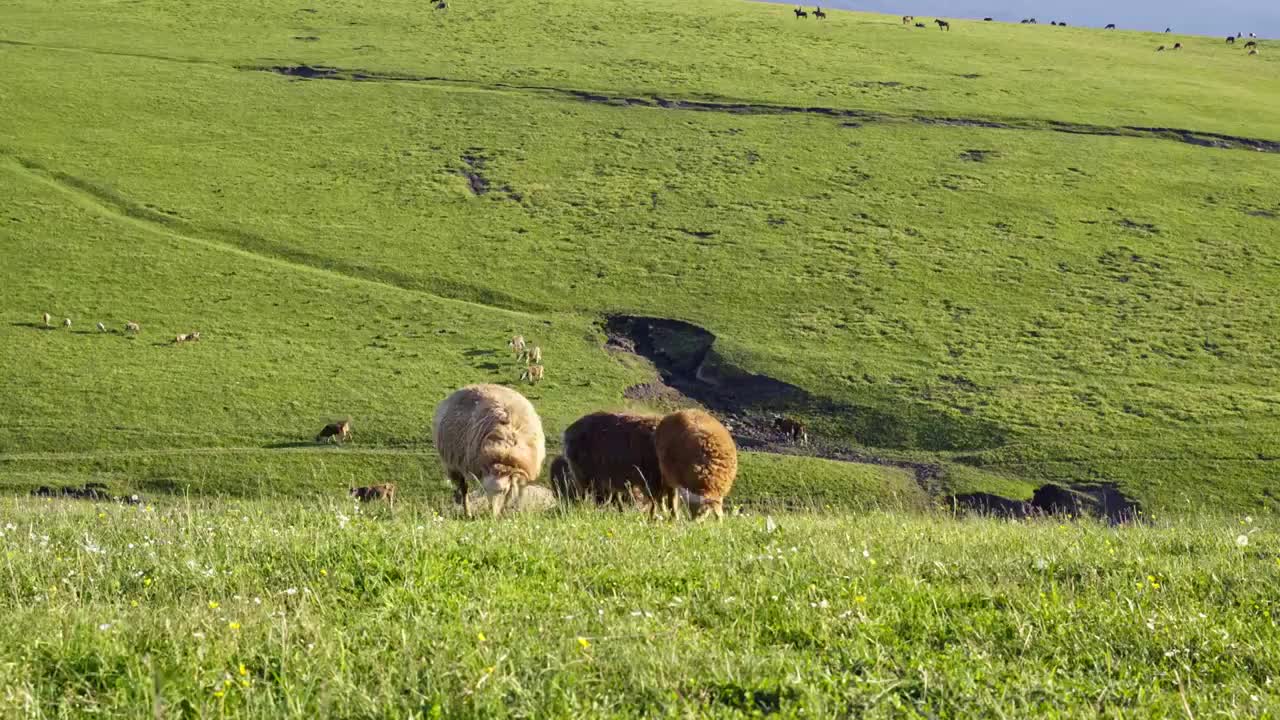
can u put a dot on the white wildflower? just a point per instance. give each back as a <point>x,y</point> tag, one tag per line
<point>769,524</point>
<point>1242,540</point>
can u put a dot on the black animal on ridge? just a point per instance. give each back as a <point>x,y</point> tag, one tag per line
<point>943,25</point>
<point>817,13</point>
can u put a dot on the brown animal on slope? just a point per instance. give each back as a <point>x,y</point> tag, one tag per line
<point>517,344</point>
<point>699,462</point>
<point>490,433</point>
<point>612,457</point>
<point>338,432</point>
<point>132,327</point>
<point>386,491</point>
<point>533,373</point>
<point>792,428</point>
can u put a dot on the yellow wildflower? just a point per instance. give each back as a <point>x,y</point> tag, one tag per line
<point>213,605</point>
<point>583,643</point>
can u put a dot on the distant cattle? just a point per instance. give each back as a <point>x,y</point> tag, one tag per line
<point>1111,26</point>
<point>943,24</point>
<point>1231,39</point>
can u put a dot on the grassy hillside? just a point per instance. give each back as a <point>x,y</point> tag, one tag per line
<point>968,248</point>
<point>306,609</point>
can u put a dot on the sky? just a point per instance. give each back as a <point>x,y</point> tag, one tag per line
<point>1192,17</point>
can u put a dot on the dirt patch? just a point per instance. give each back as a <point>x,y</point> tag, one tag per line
<point>473,169</point>
<point>700,234</point>
<point>1193,137</point>
<point>688,366</point>
<point>90,491</point>
<point>1104,501</point>
<point>977,155</point>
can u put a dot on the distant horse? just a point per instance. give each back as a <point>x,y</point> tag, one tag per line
<point>817,13</point>
<point>801,14</point>
<point>943,25</point>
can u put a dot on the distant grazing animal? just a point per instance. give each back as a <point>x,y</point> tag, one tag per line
<point>335,432</point>
<point>492,434</point>
<point>186,337</point>
<point>1032,21</point>
<point>533,373</point>
<point>1253,35</point>
<point>1111,26</point>
<point>1251,44</point>
<point>1053,23</point>
<point>132,327</point>
<point>1160,49</point>
<point>517,344</point>
<point>988,19</point>
<point>817,13</point>
<point>920,25</point>
<point>534,355</point>
<point>1177,46</point>
<point>699,462</point>
<point>1231,39</point>
<point>943,24</point>
<point>66,323</point>
<point>46,319</point>
<point>801,14</point>
<point>102,328</point>
<point>908,19</point>
<point>386,491</point>
<point>611,458</point>
<point>442,5</point>
<point>1062,24</point>
<point>1168,30</point>
<point>792,428</point>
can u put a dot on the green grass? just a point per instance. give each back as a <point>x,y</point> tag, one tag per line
<point>1072,308</point>
<point>297,608</point>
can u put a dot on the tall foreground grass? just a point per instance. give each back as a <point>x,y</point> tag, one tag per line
<point>296,608</point>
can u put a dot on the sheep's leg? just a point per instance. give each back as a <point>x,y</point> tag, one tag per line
<point>460,492</point>
<point>498,501</point>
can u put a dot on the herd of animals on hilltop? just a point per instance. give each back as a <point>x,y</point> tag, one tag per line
<point>1251,45</point>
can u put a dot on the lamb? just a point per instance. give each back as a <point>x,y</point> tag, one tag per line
<point>533,373</point>
<point>386,491</point>
<point>699,462</point>
<point>46,319</point>
<point>335,432</point>
<point>66,323</point>
<point>102,328</point>
<point>186,337</point>
<point>492,434</point>
<point>517,344</point>
<point>132,327</point>
<point>612,457</point>
<point>534,355</point>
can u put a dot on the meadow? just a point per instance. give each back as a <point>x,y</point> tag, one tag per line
<point>970,262</point>
<point>203,608</point>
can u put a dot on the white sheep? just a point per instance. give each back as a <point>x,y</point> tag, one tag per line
<point>66,323</point>
<point>490,433</point>
<point>46,319</point>
<point>517,344</point>
<point>132,327</point>
<point>102,328</point>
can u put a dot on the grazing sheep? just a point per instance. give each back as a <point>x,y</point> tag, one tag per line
<point>66,323</point>
<point>943,25</point>
<point>46,319</point>
<point>612,457</point>
<point>534,355</point>
<point>533,373</point>
<point>1231,39</point>
<point>490,433</point>
<point>186,337</point>
<point>792,428</point>
<point>817,13</point>
<point>699,462</point>
<point>335,432</point>
<point>562,482</point>
<point>102,328</point>
<point>1111,26</point>
<point>517,344</point>
<point>386,491</point>
<point>132,327</point>
<point>908,19</point>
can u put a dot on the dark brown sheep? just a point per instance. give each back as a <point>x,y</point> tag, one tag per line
<point>612,457</point>
<point>386,491</point>
<point>699,462</point>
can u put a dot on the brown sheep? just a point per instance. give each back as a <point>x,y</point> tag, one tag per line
<point>490,433</point>
<point>338,432</point>
<point>132,327</point>
<point>699,461</point>
<point>517,345</point>
<point>612,457</point>
<point>533,373</point>
<point>386,491</point>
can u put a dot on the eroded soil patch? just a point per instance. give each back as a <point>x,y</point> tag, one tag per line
<point>1193,137</point>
